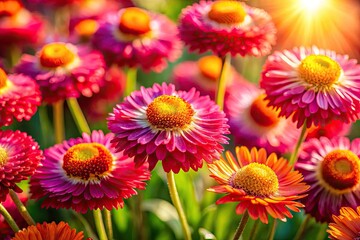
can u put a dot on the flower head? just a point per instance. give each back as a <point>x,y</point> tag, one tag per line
<point>203,75</point>
<point>19,97</point>
<point>19,157</point>
<point>254,124</point>
<point>332,168</point>
<point>85,174</point>
<point>64,70</point>
<point>335,128</point>
<point>45,231</point>
<point>137,38</point>
<point>345,226</point>
<point>261,184</point>
<point>18,26</point>
<point>227,27</point>
<point>313,84</point>
<point>179,128</point>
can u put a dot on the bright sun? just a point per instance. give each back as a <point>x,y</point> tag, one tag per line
<point>311,5</point>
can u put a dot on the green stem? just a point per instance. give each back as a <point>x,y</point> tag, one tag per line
<point>8,218</point>
<point>45,126</point>
<point>86,225</point>
<point>322,232</point>
<point>138,216</point>
<point>108,224</point>
<point>221,87</point>
<point>22,209</point>
<point>99,224</point>
<point>176,201</point>
<point>130,81</point>
<point>294,155</point>
<point>241,226</point>
<point>302,228</point>
<point>58,113</point>
<point>254,229</point>
<point>273,230</point>
<point>78,115</point>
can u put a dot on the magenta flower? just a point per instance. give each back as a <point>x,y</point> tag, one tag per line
<point>254,124</point>
<point>134,37</point>
<point>227,27</point>
<point>63,70</point>
<point>313,84</point>
<point>19,98</point>
<point>19,157</point>
<point>179,128</point>
<point>86,174</point>
<point>332,169</point>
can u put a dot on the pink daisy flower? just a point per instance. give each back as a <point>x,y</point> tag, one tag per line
<point>63,70</point>
<point>18,26</point>
<point>19,98</point>
<point>227,27</point>
<point>54,3</point>
<point>332,168</point>
<point>19,157</point>
<point>137,38</point>
<point>86,174</point>
<point>179,128</point>
<point>313,84</point>
<point>335,128</point>
<point>254,124</point>
<point>203,75</point>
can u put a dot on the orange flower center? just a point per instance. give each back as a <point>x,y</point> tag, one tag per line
<point>340,169</point>
<point>3,156</point>
<point>86,28</point>
<point>256,179</point>
<point>9,8</point>
<point>262,114</point>
<point>134,21</point>
<point>56,55</point>
<point>169,112</point>
<point>210,67</point>
<point>3,78</point>
<point>227,12</point>
<point>87,161</point>
<point>320,71</point>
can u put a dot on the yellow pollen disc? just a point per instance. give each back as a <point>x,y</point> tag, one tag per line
<point>227,12</point>
<point>56,55</point>
<point>3,156</point>
<point>256,179</point>
<point>9,8</point>
<point>86,28</point>
<point>3,78</point>
<point>340,169</point>
<point>134,21</point>
<point>169,112</point>
<point>262,114</point>
<point>87,161</point>
<point>210,67</point>
<point>320,71</point>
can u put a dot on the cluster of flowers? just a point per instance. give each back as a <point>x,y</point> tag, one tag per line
<point>178,124</point>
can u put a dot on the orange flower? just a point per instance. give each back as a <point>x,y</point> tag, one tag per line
<point>61,231</point>
<point>261,184</point>
<point>347,224</point>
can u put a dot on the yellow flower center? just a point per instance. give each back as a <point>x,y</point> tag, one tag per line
<point>210,67</point>
<point>320,71</point>
<point>3,78</point>
<point>56,55</point>
<point>169,112</point>
<point>9,8</point>
<point>87,27</point>
<point>262,114</point>
<point>87,161</point>
<point>3,156</point>
<point>256,179</point>
<point>227,12</point>
<point>340,170</point>
<point>134,21</point>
